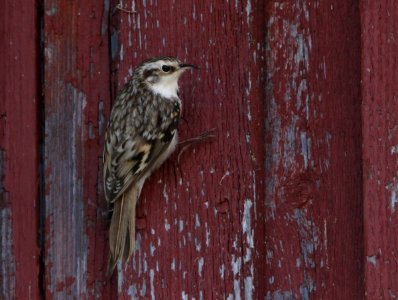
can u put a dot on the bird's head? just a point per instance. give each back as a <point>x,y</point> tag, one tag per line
<point>161,74</point>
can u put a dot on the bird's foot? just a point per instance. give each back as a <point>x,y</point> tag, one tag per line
<point>185,144</point>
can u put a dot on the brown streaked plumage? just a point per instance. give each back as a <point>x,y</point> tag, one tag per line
<point>142,133</point>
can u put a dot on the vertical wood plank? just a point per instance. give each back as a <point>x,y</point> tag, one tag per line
<point>380,147</point>
<point>200,223</point>
<point>19,253</point>
<point>76,92</point>
<point>313,150</point>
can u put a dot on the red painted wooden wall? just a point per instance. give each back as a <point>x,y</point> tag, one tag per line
<point>296,198</point>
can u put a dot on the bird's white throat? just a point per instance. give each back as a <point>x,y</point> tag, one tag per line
<point>167,86</point>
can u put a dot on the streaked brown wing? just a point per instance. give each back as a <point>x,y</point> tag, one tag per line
<point>127,166</point>
<point>129,156</point>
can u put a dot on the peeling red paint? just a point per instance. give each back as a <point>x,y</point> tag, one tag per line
<point>380,137</point>
<point>76,86</point>
<point>313,146</point>
<point>19,273</point>
<point>66,284</point>
<point>200,230</point>
<point>297,196</point>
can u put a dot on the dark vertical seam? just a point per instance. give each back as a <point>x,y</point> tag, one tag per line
<point>41,131</point>
<point>360,45</point>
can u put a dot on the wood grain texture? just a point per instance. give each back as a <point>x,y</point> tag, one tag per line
<point>76,92</point>
<point>380,147</point>
<point>19,252</point>
<point>200,223</point>
<point>296,197</point>
<point>313,151</point>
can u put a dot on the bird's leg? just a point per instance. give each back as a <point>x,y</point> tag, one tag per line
<point>185,144</point>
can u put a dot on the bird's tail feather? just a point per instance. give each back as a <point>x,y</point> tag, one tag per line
<point>122,229</point>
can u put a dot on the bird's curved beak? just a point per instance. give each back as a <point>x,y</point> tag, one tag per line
<point>188,66</point>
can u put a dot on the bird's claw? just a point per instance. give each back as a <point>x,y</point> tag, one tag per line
<point>209,134</point>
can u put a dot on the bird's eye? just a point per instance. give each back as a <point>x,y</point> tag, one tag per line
<point>166,68</point>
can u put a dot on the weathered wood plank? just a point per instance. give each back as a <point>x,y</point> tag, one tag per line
<point>313,149</point>
<point>76,92</point>
<point>19,253</point>
<point>201,228</point>
<point>380,147</point>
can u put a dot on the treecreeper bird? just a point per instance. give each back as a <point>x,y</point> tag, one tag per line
<point>141,135</point>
